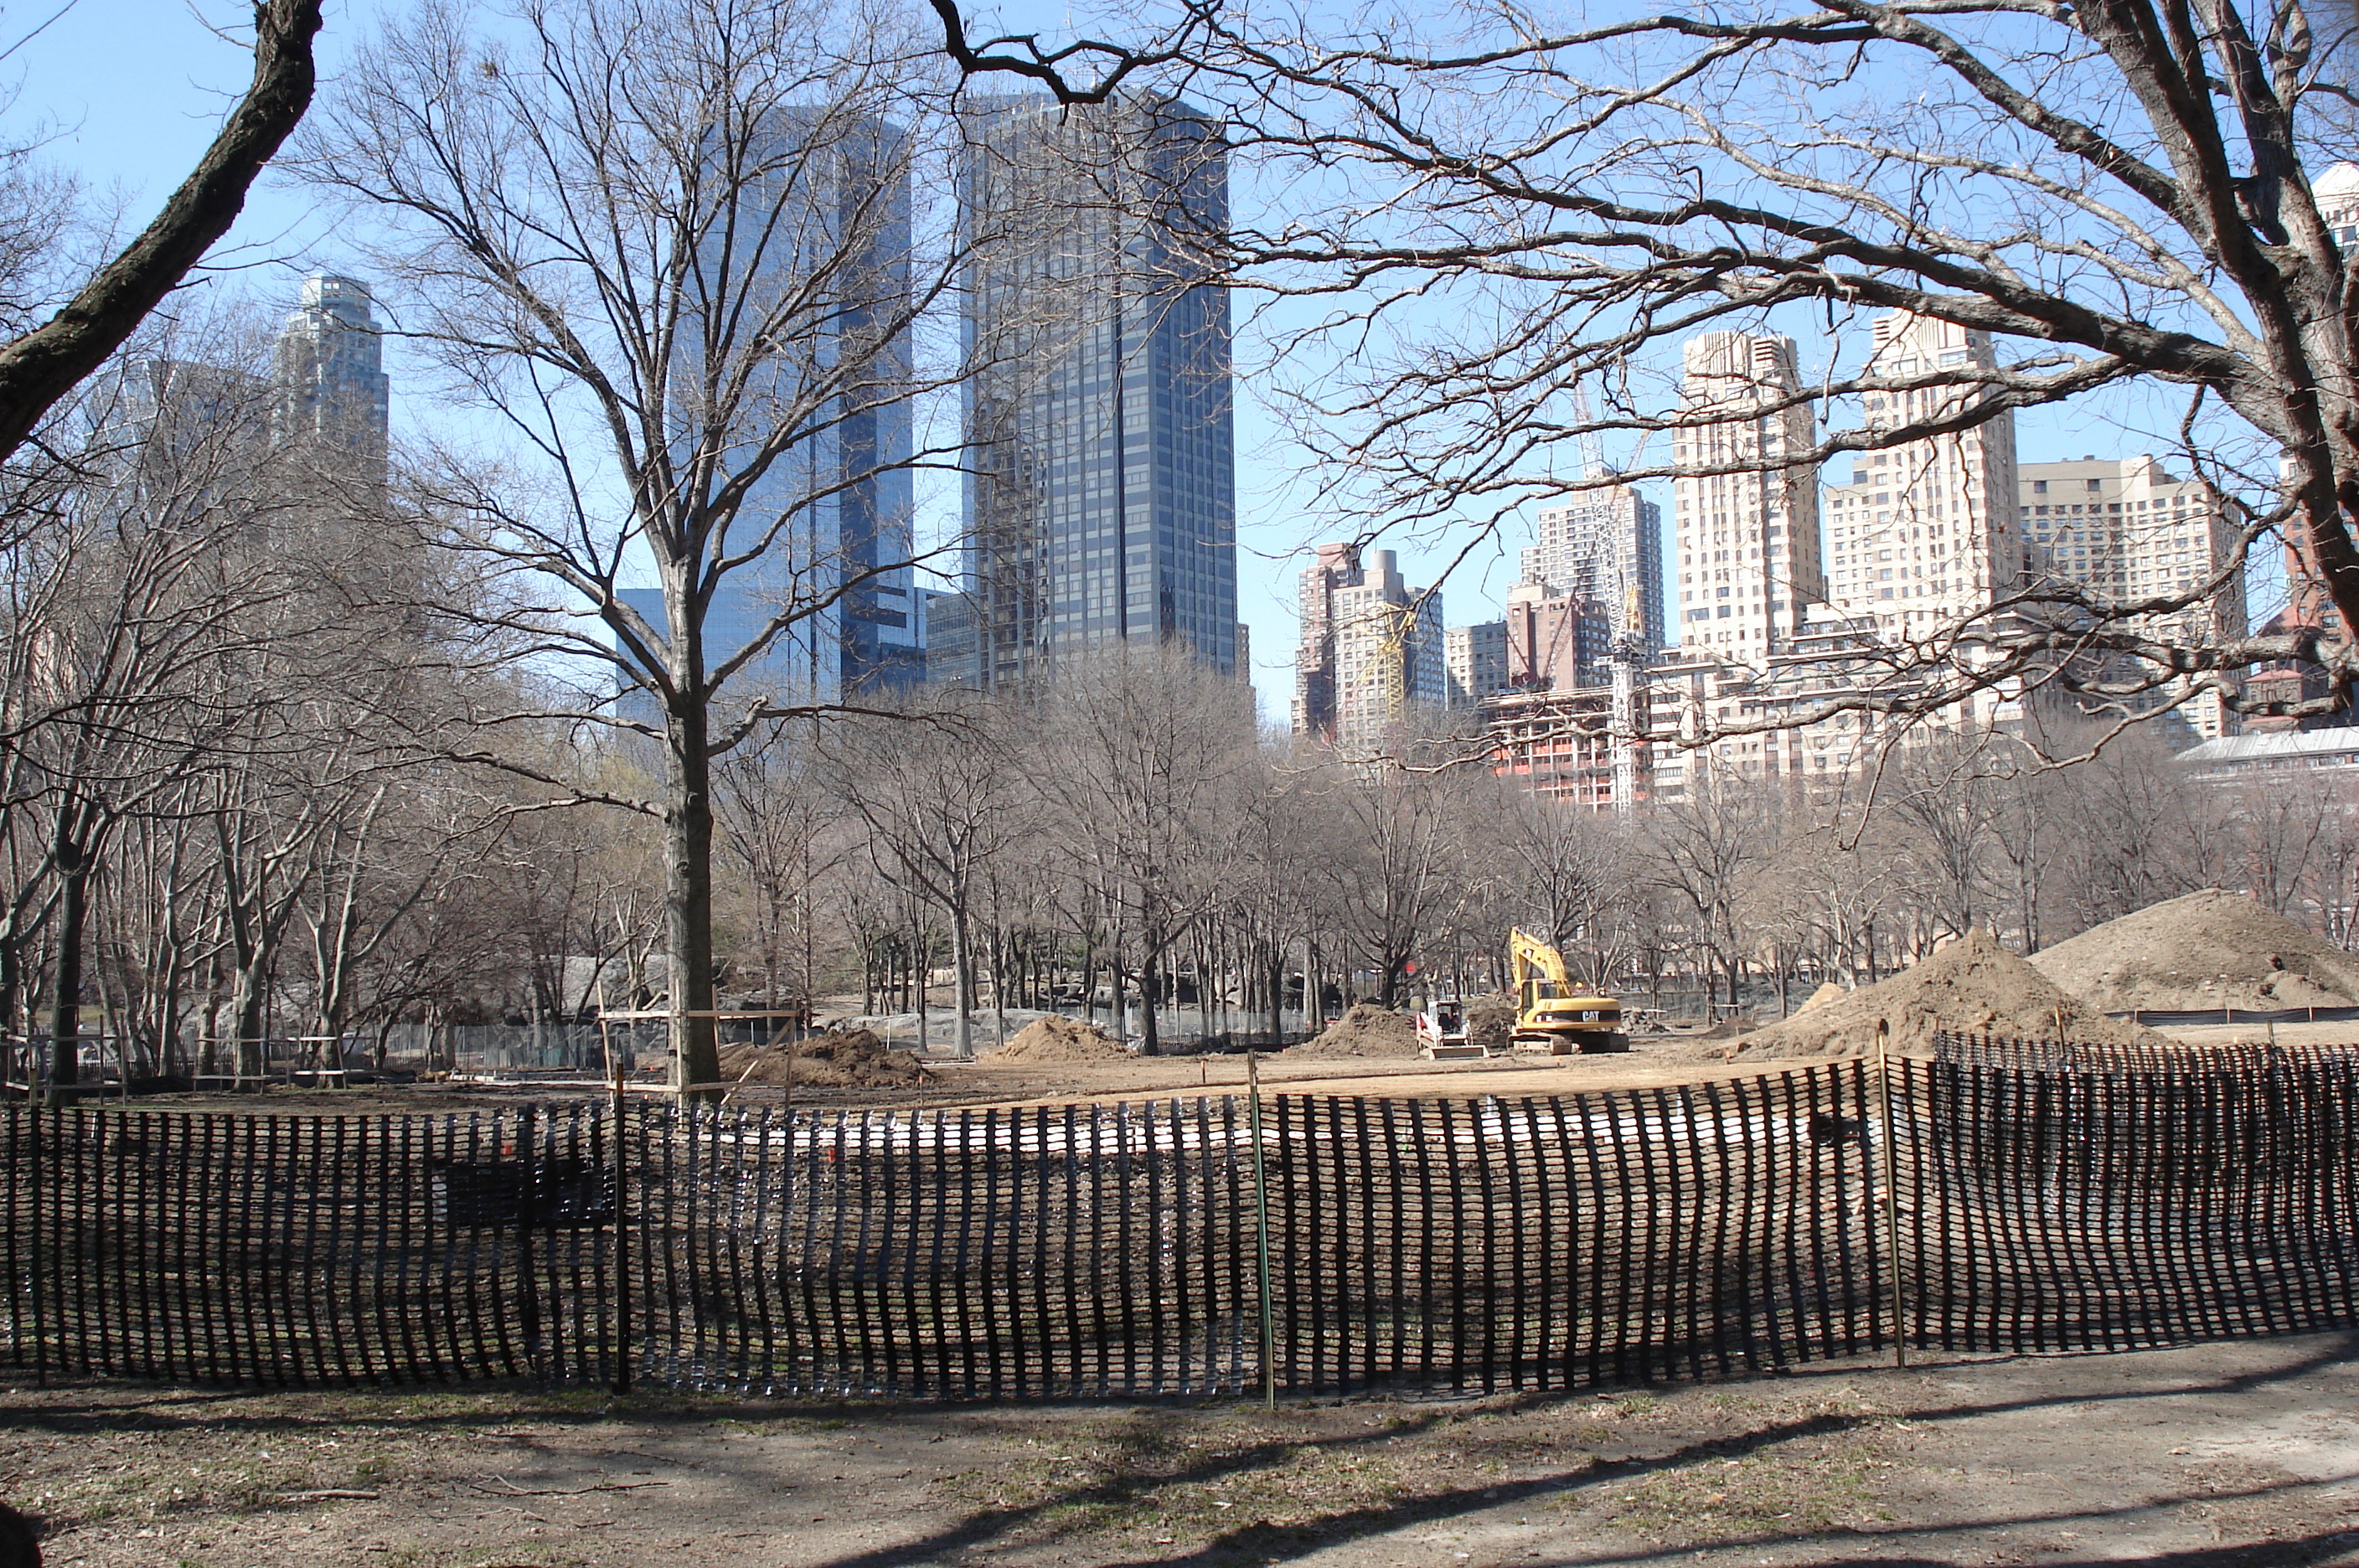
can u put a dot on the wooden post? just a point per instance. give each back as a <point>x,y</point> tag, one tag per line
<point>1889,1169</point>
<point>40,1227</point>
<point>1261,1229</point>
<point>622,1243</point>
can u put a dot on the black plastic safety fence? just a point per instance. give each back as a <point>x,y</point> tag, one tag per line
<point>2127,1204</point>
<point>1498,1243</point>
<point>2090,1056</point>
<point>1471,1244</point>
<point>2181,1017</point>
<point>298,1251</point>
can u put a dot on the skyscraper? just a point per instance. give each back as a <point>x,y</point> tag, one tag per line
<point>1605,547</point>
<point>331,372</point>
<point>1336,568</point>
<point>1099,501</point>
<point>1924,532</point>
<point>841,495</point>
<point>1748,534</point>
<point>818,258</point>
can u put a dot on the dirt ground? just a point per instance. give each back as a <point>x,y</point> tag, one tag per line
<point>1654,1061</point>
<point>2243,1453</point>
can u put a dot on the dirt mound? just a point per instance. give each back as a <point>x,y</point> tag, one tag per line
<point>1974,986</point>
<point>1490,1020</point>
<point>1365,1030</point>
<point>1822,996</point>
<point>2207,950</point>
<point>839,1059</point>
<point>1056,1038</point>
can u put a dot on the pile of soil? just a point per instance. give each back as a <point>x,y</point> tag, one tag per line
<point>1056,1039</point>
<point>2207,950</point>
<point>839,1059</point>
<point>1490,1020</point>
<point>1971,986</point>
<point>1365,1030</point>
<point>1822,996</point>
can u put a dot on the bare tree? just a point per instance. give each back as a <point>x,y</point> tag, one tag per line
<point>669,245</point>
<point>942,799</point>
<point>1395,862</point>
<point>1147,754</point>
<point>1578,870</point>
<point>1701,849</point>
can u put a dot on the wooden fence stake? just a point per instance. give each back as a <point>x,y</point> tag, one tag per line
<point>1889,1169</point>
<point>1261,1229</point>
<point>623,1245</point>
<point>40,1227</point>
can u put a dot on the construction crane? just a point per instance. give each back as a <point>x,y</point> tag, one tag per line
<point>1554,1015</point>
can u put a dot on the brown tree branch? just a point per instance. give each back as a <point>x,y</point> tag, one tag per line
<point>44,365</point>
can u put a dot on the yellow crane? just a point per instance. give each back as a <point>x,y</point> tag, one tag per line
<point>1554,1015</point>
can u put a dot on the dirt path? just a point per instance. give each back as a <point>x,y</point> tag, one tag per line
<point>2241,1453</point>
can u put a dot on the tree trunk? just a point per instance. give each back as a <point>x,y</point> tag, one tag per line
<point>688,899</point>
<point>65,995</point>
<point>252,1000</point>
<point>1150,989</point>
<point>1276,997</point>
<point>962,984</point>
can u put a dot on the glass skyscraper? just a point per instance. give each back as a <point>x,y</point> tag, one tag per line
<point>824,247</point>
<point>1100,502</point>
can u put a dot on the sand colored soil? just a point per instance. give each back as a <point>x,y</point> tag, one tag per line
<point>1055,1038</point>
<point>2207,950</point>
<point>1973,986</point>
<point>1365,1030</point>
<point>839,1059</point>
<point>1822,996</point>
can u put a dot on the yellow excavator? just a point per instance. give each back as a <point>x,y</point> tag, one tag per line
<point>1554,1015</point>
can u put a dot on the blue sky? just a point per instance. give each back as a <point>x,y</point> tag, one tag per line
<point>135,89</point>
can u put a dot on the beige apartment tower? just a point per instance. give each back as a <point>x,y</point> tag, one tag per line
<point>1747,536</point>
<point>2131,529</point>
<point>1924,532</point>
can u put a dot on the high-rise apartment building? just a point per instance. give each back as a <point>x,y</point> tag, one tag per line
<point>1924,532</point>
<point>1099,501</point>
<point>2131,529</point>
<point>1605,547</point>
<point>1748,534</point>
<point>2337,194</point>
<point>1475,662</point>
<point>1388,654</point>
<point>1335,567</point>
<point>331,372</point>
